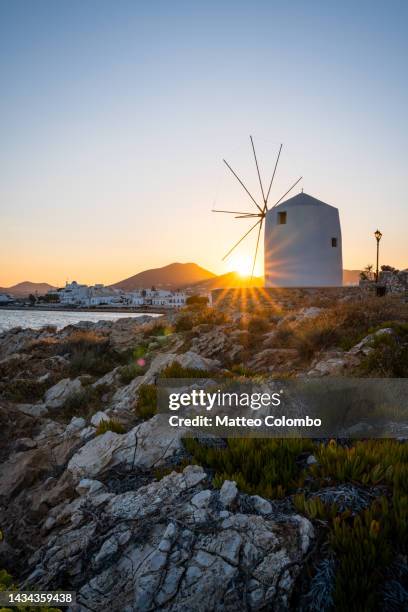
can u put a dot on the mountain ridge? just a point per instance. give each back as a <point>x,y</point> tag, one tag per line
<point>172,276</point>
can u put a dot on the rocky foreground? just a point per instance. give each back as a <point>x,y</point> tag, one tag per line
<point>96,499</point>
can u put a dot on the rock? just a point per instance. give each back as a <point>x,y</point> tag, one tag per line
<point>98,417</point>
<point>95,456</point>
<point>34,410</point>
<point>202,499</point>
<point>22,470</point>
<point>23,444</point>
<point>330,363</point>
<point>148,444</point>
<point>215,341</point>
<point>17,340</point>
<point>75,425</point>
<point>311,460</point>
<point>190,359</point>
<point>126,397</point>
<point>87,485</point>
<point>151,553</point>
<point>56,396</point>
<point>228,493</point>
<point>261,505</point>
<point>110,379</point>
<point>273,360</point>
<point>44,377</point>
<point>364,346</point>
<point>308,313</point>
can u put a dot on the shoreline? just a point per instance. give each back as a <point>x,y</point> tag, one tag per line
<point>91,310</point>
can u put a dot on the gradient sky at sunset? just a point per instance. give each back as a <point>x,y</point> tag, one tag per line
<point>115,117</point>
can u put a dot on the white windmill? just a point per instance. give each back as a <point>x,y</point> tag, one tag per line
<point>302,241</point>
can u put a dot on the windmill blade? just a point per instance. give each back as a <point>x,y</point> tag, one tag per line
<point>242,184</point>
<point>256,250</point>
<point>273,176</point>
<point>233,212</point>
<point>285,194</point>
<point>249,216</point>
<point>257,169</point>
<point>241,239</point>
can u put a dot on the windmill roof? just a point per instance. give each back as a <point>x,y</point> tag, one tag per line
<point>303,199</point>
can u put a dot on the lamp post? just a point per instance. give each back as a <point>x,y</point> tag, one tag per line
<point>378,236</point>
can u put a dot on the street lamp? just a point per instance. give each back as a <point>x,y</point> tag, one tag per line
<point>378,236</point>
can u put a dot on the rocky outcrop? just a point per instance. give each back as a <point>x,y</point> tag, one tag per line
<point>338,363</point>
<point>217,342</point>
<point>273,360</point>
<point>147,445</point>
<point>170,545</point>
<point>16,340</point>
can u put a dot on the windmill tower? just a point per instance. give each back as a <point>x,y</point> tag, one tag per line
<point>302,240</point>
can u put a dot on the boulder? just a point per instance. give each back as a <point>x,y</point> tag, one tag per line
<point>56,396</point>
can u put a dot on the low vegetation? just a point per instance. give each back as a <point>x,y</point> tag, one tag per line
<point>362,539</point>
<point>24,389</point>
<point>7,583</point>
<point>147,401</point>
<point>109,425</point>
<point>389,357</point>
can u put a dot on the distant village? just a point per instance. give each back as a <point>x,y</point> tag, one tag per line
<point>76,295</point>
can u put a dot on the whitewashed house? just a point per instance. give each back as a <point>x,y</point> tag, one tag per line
<point>166,299</point>
<point>5,298</point>
<point>74,294</point>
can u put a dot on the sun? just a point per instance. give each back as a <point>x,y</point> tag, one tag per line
<point>242,265</point>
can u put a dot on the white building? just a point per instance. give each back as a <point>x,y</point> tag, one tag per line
<point>303,244</point>
<point>98,295</point>
<point>166,299</point>
<point>74,294</point>
<point>5,298</point>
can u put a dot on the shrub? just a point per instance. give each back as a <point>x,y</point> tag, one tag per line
<point>197,300</point>
<point>389,357</point>
<point>258,325</point>
<point>110,425</point>
<point>184,323</point>
<point>25,390</point>
<point>363,551</point>
<point>129,372</point>
<point>146,401</point>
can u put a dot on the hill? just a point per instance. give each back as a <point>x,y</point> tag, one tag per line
<point>173,276</point>
<point>26,287</point>
<point>227,281</point>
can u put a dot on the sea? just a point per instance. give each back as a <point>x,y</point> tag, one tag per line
<point>35,319</point>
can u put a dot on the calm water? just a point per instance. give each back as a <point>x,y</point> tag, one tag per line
<point>39,318</point>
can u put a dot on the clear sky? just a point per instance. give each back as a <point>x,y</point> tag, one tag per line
<point>115,117</point>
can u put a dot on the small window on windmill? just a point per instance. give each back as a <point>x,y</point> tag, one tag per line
<point>282,218</point>
<point>334,242</point>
